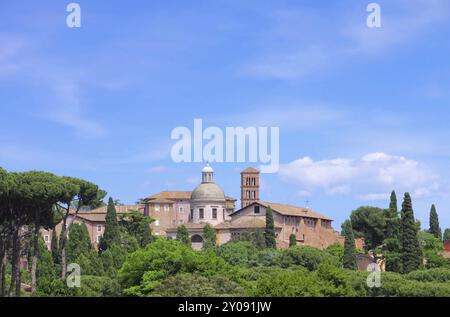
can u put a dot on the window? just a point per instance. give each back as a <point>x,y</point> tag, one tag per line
<point>166,207</point>
<point>191,216</point>
<point>156,207</point>
<point>181,210</point>
<point>99,228</point>
<point>214,213</point>
<point>156,222</point>
<point>99,236</point>
<point>201,213</point>
<point>256,209</point>
<point>46,238</point>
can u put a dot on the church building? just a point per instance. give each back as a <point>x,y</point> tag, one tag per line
<point>208,204</point>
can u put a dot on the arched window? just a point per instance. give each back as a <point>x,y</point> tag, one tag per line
<point>196,238</point>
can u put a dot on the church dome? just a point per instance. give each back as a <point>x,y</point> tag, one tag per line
<point>208,192</point>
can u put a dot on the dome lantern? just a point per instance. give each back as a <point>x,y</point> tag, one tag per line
<point>207,174</point>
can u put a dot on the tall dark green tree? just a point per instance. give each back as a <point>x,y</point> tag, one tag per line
<point>269,233</point>
<point>183,235</point>
<point>79,242</point>
<point>292,240</point>
<point>209,237</point>
<point>410,248</point>
<point>349,258</point>
<point>112,229</point>
<point>55,248</point>
<point>392,218</point>
<point>391,242</point>
<point>434,223</point>
<point>447,234</point>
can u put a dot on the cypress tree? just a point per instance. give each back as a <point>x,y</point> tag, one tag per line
<point>447,234</point>
<point>209,237</point>
<point>349,258</point>
<point>112,229</point>
<point>392,219</point>
<point>183,235</point>
<point>434,223</point>
<point>269,233</point>
<point>392,238</point>
<point>79,242</point>
<point>55,248</point>
<point>410,248</point>
<point>292,240</point>
<point>393,202</point>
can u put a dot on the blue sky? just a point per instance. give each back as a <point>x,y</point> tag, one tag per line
<point>361,111</point>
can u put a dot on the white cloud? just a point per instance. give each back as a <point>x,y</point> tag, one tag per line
<point>369,177</point>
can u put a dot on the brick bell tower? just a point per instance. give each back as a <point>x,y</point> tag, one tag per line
<point>249,186</point>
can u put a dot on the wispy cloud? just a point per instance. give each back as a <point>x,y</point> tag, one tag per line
<point>339,40</point>
<point>69,112</point>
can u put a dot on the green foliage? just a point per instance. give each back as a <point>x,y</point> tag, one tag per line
<point>55,248</point>
<point>370,224</point>
<point>79,242</point>
<point>138,226</point>
<point>434,223</point>
<point>432,250</point>
<point>194,285</point>
<point>183,235</point>
<point>239,253</point>
<point>349,257</point>
<point>255,237</point>
<point>305,256</point>
<point>269,233</point>
<point>46,271</point>
<point>336,250</point>
<point>394,284</point>
<point>112,228</point>
<point>439,275</point>
<point>411,252</point>
<point>447,234</point>
<point>292,240</point>
<point>145,269</point>
<point>91,286</point>
<point>209,237</point>
<point>392,220</point>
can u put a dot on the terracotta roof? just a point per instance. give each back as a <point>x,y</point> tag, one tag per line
<point>250,170</point>
<point>289,210</point>
<point>172,195</point>
<point>161,201</point>
<point>175,195</point>
<point>254,222</point>
<point>99,214</point>
<point>119,209</point>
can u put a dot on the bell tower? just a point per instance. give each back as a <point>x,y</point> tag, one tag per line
<point>249,186</point>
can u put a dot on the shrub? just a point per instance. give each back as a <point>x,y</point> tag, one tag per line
<point>307,257</point>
